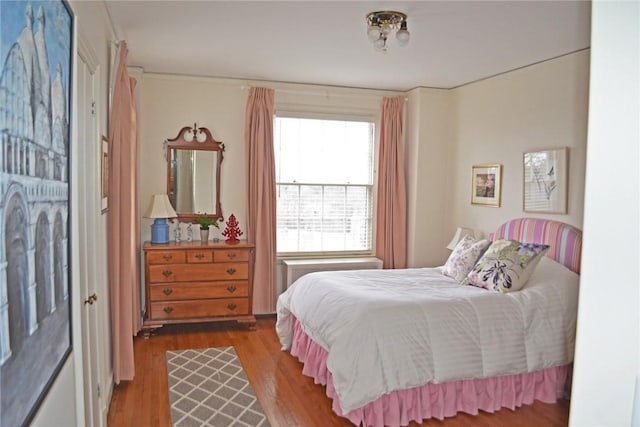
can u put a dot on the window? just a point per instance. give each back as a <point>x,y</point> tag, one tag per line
<point>324,185</point>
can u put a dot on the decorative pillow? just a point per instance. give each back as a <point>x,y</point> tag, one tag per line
<point>463,257</point>
<point>506,265</point>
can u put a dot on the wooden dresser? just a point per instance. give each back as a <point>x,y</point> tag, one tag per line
<point>192,282</point>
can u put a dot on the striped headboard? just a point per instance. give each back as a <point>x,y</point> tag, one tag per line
<point>564,240</point>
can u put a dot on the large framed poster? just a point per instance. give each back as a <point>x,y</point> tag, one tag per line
<point>36,52</point>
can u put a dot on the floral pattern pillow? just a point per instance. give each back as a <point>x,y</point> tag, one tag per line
<point>463,257</point>
<point>506,265</point>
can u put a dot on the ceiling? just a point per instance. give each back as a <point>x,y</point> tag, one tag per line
<point>324,42</point>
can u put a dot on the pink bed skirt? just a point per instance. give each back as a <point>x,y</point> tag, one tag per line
<point>399,408</point>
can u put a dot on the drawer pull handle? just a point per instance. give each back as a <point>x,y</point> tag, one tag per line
<point>167,257</point>
<point>231,255</point>
<point>199,256</point>
<point>231,307</point>
<point>231,271</point>
<point>167,291</point>
<point>168,309</point>
<point>167,273</point>
<point>231,288</point>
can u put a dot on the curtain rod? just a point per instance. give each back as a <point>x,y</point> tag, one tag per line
<point>325,94</point>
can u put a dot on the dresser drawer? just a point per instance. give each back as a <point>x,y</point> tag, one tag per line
<point>198,290</point>
<point>199,309</point>
<point>200,256</point>
<point>166,257</point>
<point>198,272</point>
<point>230,255</point>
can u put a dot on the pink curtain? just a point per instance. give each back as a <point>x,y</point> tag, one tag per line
<point>261,202</point>
<point>122,223</point>
<point>391,214</point>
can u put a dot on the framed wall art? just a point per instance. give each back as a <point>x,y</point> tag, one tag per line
<point>486,185</point>
<point>104,173</point>
<point>545,181</point>
<point>36,53</point>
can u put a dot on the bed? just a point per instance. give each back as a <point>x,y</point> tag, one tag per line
<point>395,346</point>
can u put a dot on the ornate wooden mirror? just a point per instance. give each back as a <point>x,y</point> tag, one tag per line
<point>193,173</point>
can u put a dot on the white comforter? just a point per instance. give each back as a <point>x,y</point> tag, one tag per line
<point>389,330</point>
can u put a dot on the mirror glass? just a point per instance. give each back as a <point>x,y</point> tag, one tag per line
<point>193,189</point>
<point>193,173</point>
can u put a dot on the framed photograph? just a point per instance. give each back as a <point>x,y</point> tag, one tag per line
<point>545,181</point>
<point>104,173</point>
<point>36,57</point>
<point>486,185</point>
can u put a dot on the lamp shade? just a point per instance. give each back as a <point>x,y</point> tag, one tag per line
<point>460,233</point>
<point>160,207</point>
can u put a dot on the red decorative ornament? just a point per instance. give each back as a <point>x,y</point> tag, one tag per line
<point>232,231</point>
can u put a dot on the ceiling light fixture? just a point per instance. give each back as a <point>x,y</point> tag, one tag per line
<point>381,24</point>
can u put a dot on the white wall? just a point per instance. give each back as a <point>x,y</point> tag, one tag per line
<point>496,120</point>
<point>607,346</point>
<point>61,406</point>
<point>429,129</point>
<point>166,105</point>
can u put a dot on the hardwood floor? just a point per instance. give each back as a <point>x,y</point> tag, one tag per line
<point>288,398</point>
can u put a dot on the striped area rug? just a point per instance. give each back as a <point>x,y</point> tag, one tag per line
<point>208,387</point>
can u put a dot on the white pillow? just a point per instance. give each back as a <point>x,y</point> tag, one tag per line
<point>551,274</point>
<point>464,257</point>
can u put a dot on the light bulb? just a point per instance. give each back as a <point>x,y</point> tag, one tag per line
<point>403,37</point>
<point>373,33</point>
<point>380,44</point>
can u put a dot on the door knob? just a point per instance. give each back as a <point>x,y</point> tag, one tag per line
<point>92,298</point>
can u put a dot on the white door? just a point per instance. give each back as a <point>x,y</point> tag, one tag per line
<point>89,221</point>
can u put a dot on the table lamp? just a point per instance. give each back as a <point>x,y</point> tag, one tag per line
<point>160,209</point>
<point>460,233</point>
